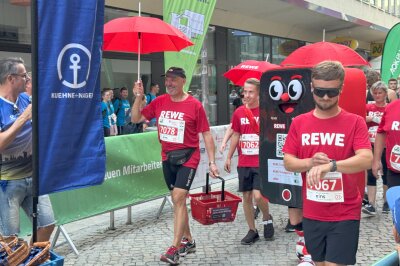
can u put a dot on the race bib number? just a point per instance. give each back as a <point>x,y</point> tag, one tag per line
<point>329,189</point>
<point>372,133</point>
<point>249,144</point>
<point>171,130</point>
<point>395,158</point>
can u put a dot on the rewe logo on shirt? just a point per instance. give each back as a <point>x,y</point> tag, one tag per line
<point>172,115</point>
<point>245,121</point>
<point>395,125</point>
<point>322,139</point>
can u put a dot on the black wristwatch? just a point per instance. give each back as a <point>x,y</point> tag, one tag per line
<point>334,166</point>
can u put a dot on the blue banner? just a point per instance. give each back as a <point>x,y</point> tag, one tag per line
<point>70,137</point>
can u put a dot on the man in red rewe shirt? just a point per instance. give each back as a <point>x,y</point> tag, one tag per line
<point>245,126</point>
<point>328,145</point>
<point>180,118</point>
<point>389,134</point>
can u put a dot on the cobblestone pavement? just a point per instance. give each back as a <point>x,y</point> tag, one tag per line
<point>141,242</point>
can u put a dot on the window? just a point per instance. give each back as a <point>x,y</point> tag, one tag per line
<point>15,23</point>
<point>243,45</point>
<point>196,90</point>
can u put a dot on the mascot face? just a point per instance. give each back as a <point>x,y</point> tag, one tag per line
<point>287,95</point>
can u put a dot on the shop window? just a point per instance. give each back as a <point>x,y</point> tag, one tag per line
<point>195,89</point>
<point>15,23</point>
<point>243,45</point>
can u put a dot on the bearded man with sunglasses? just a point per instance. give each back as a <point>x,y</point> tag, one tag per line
<point>328,146</point>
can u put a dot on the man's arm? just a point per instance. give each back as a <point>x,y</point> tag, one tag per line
<point>8,136</point>
<point>379,146</point>
<point>234,142</point>
<point>362,160</point>
<point>227,136</point>
<point>136,116</point>
<point>210,148</point>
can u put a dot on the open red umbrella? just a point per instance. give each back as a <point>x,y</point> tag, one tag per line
<point>142,35</point>
<point>312,54</point>
<point>248,69</point>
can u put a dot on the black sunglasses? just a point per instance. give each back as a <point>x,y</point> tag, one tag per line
<point>331,92</point>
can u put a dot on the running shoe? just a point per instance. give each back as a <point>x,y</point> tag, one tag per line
<point>306,261</point>
<point>300,245</point>
<point>269,228</point>
<point>365,200</point>
<point>250,238</point>
<point>170,256</point>
<point>385,208</point>
<point>186,247</point>
<point>289,227</point>
<point>369,209</point>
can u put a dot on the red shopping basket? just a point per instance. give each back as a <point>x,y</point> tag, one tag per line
<point>214,207</point>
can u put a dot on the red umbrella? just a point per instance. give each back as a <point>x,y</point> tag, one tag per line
<point>142,35</point>
<point>248,69</point>
<point>312,54</point>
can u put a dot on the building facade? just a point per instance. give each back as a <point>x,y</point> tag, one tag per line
<point>239,30</point>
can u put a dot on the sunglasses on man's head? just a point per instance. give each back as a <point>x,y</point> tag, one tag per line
<point>331,92</point>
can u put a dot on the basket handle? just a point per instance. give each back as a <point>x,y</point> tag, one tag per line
<point>223,185</point>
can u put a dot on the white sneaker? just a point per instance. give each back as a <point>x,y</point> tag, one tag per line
<point>306,261</point>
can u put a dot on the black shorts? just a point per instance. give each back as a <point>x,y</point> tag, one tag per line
<point>178,176</point>
<point>248,179</point>
<point>393,178</point>
<point>341,238</point>
<point>371,179</point>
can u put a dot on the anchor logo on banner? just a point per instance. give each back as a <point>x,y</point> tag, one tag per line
<point>73,65</point>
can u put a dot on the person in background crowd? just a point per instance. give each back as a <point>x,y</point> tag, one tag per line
<point>245,126</point>
<point>106,111</point>
<point>238,101</point>
<point>16,154</point>
<point>122,108</point>
<point>180,118</point>
<point>388,135</point>
<point>373,118</point>
<point>113,117</point>
<point>328,145</point>
<point>393,93</point>
<point>372,76</point>
<point>154,90</point>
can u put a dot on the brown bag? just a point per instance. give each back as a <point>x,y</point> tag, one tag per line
<point>42,256</point>
<point>16,254</point>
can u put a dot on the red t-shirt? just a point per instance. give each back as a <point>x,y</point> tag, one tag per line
<point>339,137</point>
<point>179,125</point>
<point>249,140</point>
<point>390,124</point>
<point>375,111</point>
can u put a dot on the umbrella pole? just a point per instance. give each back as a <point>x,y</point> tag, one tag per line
<point>138,74</point>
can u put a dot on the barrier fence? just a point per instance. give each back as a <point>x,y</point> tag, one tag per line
<point>133,175</point>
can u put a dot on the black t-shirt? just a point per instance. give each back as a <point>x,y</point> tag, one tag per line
<point>237,103</point>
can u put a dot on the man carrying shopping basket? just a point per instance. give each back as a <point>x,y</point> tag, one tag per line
<point>180,118</point>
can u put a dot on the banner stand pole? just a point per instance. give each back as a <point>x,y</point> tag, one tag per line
<point>62,229</point>
<point>35,128</point>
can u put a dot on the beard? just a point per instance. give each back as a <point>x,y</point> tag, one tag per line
<point>326,106</point>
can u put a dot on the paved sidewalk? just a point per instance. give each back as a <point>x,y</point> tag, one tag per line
<point>142,242</point>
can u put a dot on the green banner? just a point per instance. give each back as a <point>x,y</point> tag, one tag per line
<point>133,175</point>
<point>391,54</point>
<point>192,17</point>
